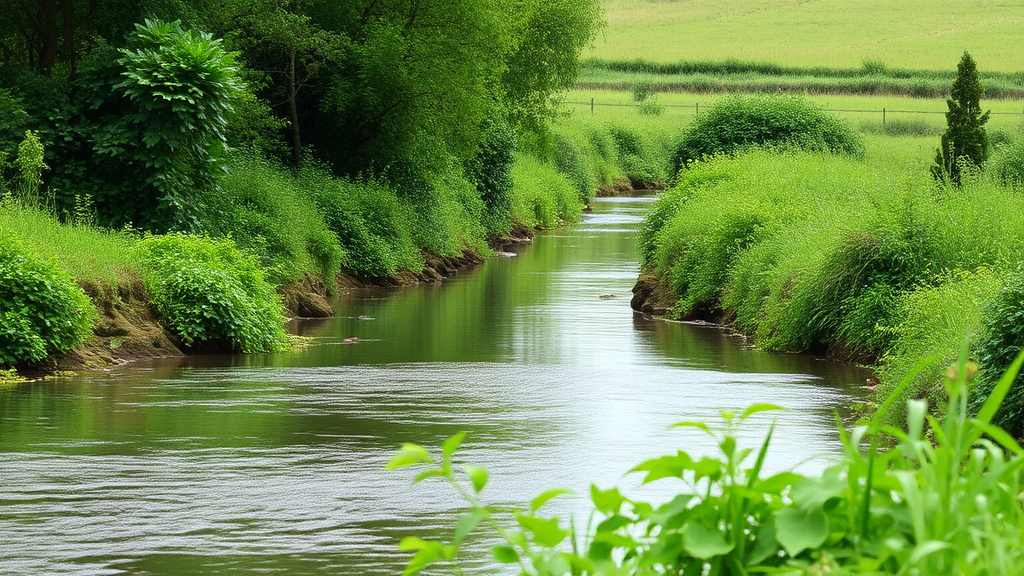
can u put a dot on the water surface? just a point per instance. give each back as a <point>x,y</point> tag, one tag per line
<point>275,463</point>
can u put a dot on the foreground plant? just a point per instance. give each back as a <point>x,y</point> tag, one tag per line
<point>943,498</point>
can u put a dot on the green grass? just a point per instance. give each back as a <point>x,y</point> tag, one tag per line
<point>917,34</point>
<point>83,252</point>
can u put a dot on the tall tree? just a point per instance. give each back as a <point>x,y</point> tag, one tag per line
<point>964,139</point>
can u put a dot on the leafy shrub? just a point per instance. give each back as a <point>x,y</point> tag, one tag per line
<point>1001,340</point>
<point>268,211</point>
<point>764,120</point>
<point>541,196</point>
<point>571,160</point>
<point>181,84</point>
<point>42,311</point>
<point>450,219</point>
<point>943,500</point>
<point>491,171</point>
<point>210,292</point>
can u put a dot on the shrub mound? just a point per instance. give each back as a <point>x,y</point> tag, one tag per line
<point>783,121</point>
<point>42,310</point>
<point>208,291</point>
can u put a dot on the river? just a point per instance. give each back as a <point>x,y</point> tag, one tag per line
<point>275,463</point>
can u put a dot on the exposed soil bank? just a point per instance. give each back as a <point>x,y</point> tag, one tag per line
<point>631,187</point>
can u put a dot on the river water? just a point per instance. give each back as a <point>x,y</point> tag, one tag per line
<point>275,463</point>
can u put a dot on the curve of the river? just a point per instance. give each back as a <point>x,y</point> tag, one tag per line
<point>242,464</point>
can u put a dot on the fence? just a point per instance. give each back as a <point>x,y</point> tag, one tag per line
<point>697,107</point>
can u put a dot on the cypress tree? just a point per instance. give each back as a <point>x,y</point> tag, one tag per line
<point>964,139</point>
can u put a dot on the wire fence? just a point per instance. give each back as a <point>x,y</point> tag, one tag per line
<point>884,112</point>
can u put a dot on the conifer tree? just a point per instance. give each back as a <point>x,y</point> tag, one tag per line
<point>964,139</point>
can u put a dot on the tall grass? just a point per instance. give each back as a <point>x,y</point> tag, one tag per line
<point>83,252</point>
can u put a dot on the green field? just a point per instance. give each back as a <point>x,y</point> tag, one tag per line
<point>917,34</point>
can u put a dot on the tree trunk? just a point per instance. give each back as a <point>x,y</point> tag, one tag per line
<point>296,140</point>
<point>47,21</point>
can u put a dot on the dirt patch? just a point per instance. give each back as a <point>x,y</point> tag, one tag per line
<point>128,329</point>
<point>623,187</point>
<point>652,294</point>
<point>307,298</point>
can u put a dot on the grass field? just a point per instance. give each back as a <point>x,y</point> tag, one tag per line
<point>917,34</point>
<point>922,118</point>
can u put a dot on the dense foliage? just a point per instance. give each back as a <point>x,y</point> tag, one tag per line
<point>211,293</point>
<point>944,499</point>
<point>964,140</point>
<point>1002,338</point>
<point>778,121</point>
<point>42,311</point>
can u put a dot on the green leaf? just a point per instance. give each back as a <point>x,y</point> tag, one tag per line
<point>665,467</point>
<point>607,502</point>
<point>1005,440</point>
<point>477,475</point>
<point>467,523</point>
<point>505,554</point>
<point>432,473</point>
<point>697,425</point>
<point>750,411</point>
<point>798,530</point>
<point>409,455</point>
<point>547,496</point>
<point>546,531</point>
<point>700,542</point>
<point>452,444</point>
<point>926,549</point>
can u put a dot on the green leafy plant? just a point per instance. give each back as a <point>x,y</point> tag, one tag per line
<point>944,499</point>
<point>181,84</point>
<point>42,311</point>
<point>210,292</point>
<point>1002,338</point>
<point>964,141</point>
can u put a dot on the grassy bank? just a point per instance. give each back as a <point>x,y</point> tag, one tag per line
<point>821,254</point>
<point>270,226</point>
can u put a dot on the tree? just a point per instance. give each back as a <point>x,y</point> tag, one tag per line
<point>964,140</point>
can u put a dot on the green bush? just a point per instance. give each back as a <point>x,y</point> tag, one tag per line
<point>541,196</point>
<point>268,211</point>
<point>783,121</point>
<point>42,311</point>
<point>208,291</point>
<point>936,320</point>
<point>1001,340</point>
<point>373,225</point>
<point>491,171</point>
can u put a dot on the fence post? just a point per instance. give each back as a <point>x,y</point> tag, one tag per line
<point>883,116</point>
<point>697,113</point>
<point>591,106</point>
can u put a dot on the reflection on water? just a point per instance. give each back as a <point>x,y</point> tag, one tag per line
<point>274,463</point>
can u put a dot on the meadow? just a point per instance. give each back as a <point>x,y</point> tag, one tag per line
<point>916,34</point>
